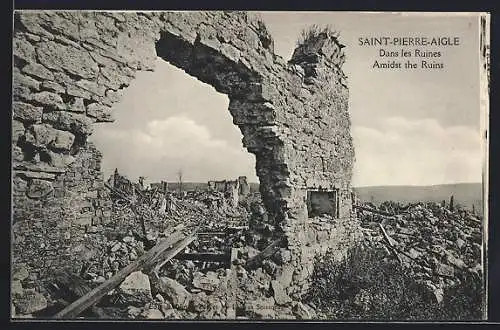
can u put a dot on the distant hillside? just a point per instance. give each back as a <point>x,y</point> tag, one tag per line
<point>465,194</point>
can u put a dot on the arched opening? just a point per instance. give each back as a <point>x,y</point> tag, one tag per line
<point>168,122</point>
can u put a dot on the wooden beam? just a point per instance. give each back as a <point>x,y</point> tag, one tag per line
<point>266,253</point>
<point>169,254</point>
<point>232,287</point>
<point>92,297</point>
<point>391,246</point>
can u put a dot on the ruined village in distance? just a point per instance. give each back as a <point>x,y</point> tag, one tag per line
<point>302,243</point>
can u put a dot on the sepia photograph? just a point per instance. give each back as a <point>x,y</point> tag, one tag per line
<point>244,165</point>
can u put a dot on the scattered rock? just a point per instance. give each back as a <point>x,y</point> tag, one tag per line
<point>280,295</point>
<point>261,308</point>
<point>208,282</point>
<point>444,270</point>
<point>175,292</point>
<point>30,302</point>
<point>152,314</point>
<point>16,288</point>
<point>133,311</point>
<point>20,272</point>
<point>302,311</point>
<point>136,288</point>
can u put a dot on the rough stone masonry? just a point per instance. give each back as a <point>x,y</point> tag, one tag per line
<point>71,67</point>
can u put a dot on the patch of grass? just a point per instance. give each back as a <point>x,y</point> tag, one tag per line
<point>315,31</point>
<point>369,285</point>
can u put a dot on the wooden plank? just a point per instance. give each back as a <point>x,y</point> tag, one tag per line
<point>266,253</point>
<point>169,254</point>
<point>92,297</point>
<point>232,287</point>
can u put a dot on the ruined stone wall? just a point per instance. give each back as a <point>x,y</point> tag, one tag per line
<point>71,67</point>
<point>55,219</point>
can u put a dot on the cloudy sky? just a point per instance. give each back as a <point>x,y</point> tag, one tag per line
<point>417,127</point>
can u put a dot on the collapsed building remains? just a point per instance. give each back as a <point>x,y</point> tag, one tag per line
<point>71,67</point>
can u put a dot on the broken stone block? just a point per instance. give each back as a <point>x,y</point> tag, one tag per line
<point>27,113</point>
<point>174,292</point>
<point>434,293</point>
<point>49,100</point>
<point>457,262</point>
<point>100,112</point>
<point>76,123</point>
<point>152,314</point>
<point>133,311</point>
<point>38,70</point>
<point>261,308</point>
<point>208,282</point>
<point>24,50</point>
<point>199,302</point>
<point>20,272</point>
<point>171,314</point>
<point>63,140</point>
<point>59,160</point>
<point>30,302</point>
<point>280,295</point>
<point>302,311</point>
<point>40,135</point>
<point>136,288</point>
<point>214,309</point>
<point>16,288</point>
<point>444,270</point>
<point>286,275</point>
<point>39,188</point>
<point>282,256</point>
<point>61,57</point>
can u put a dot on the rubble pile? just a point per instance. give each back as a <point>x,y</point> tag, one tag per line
<point>436,244</point>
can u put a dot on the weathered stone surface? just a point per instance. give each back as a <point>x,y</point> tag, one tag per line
<point>299,133</point>
<point>24,50</point>
<point>261,308</point>
<point>444,270</point>
<point>76,123</point>
<point>53,87</point>
<point>136,288</point>
<point>174,292</point>
<point>63,140</point>
<point>42,135</point>
<point>302,311</point>
<point>208,282</point>
<point>16,288</point>
<point>61,57</point>
<point>51,101</point>
<point>279,293</point>
<point>22,80</point>
<point>59,160</point>
<point>38,71</point>
<point>17,130</point>
<point>36,175</point>
<point>39,188</point>
<point>30,302</point>
<point>20,272</point>
<point>26,112</point>
<point>152,314</point>
<point>100,112</point>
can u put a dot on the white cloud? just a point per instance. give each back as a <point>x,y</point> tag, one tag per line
<point>162,147</point>
<point>416,152</point>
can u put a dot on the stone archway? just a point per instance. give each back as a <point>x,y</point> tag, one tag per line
<point>70,67</point>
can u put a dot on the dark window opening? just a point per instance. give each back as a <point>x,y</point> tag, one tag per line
<point>323,202</point>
